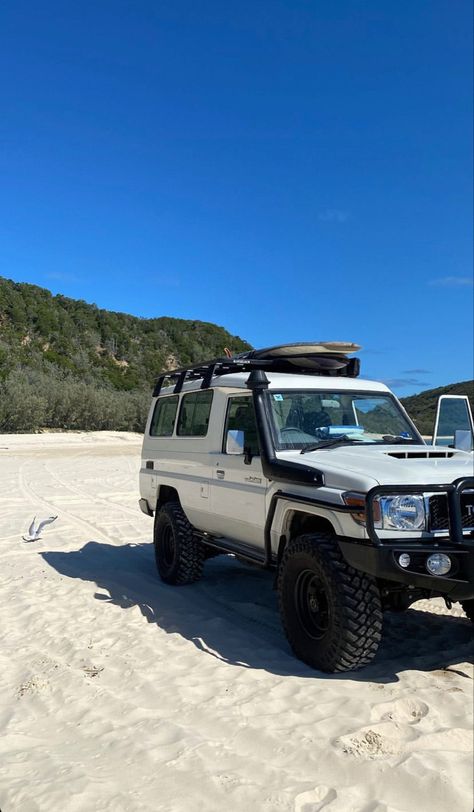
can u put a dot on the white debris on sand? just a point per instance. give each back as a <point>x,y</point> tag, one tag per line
<point>121,694</point>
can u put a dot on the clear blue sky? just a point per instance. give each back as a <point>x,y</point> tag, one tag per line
<point>290,169</point>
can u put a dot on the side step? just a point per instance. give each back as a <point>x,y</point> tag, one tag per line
<point>238,548</point>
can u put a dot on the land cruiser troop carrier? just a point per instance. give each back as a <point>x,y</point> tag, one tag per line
<point>285,458</point>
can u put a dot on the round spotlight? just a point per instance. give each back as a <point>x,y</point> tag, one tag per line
<point>404,560</point>
<point>438,564</point>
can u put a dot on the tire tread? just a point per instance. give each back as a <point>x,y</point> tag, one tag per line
<point>191,551</point>
<point>360,635</point>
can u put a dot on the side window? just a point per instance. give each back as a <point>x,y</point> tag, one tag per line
<point>162,422</point>
<point>241,416</point>
<point>194,414</point>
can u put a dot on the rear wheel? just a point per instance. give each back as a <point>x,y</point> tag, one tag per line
<point>468,607</point>
<point>331,612</point>
<point>179,554</point>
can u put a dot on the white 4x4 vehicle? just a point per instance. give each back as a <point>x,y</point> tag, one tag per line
<point>285,459</point>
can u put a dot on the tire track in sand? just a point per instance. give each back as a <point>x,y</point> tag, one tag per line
<point>28,491</point>
<point>88,496</point>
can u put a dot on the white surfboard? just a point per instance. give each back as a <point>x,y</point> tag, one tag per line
<point>303,350</point>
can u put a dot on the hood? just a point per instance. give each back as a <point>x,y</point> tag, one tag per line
<point>365,466</point>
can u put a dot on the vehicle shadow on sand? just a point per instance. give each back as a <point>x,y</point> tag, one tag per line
<point>232,614</point>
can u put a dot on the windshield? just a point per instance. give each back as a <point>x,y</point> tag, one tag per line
<point>311,419</point>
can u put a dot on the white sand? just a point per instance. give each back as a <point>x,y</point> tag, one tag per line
<point>118,693</point>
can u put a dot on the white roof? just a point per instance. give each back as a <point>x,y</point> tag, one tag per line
<point>281,380</point>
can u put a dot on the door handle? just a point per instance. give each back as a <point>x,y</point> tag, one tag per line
<point>220,474</point>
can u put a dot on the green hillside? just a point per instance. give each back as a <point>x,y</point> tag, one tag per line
<point>422,407</point>
<point>68,364</point>
<point>39,330</point>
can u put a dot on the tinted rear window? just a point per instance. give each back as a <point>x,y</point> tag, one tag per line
<point>194,414</point>
<point>162,423</point>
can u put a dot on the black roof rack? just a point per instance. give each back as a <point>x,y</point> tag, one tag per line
<point>330,364</point>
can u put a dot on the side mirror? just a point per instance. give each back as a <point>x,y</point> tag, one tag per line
<point>235,442</point>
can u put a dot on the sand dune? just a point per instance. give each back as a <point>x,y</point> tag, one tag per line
<point>121,694</point>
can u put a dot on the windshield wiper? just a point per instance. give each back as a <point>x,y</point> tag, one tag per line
<point>396,438</point>
<point>343,439</point>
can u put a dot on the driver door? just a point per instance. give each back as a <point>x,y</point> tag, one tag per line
<point>238,486</point>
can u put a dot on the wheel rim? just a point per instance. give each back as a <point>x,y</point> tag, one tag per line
<point>167,546</point>
<point>312,604</point>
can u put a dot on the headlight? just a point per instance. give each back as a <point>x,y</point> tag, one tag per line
<point>403,512</point>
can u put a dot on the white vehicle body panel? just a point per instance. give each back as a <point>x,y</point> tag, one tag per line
<point>364,466</point>
<point>238,499</point>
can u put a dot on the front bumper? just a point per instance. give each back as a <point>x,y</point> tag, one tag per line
<point>379,556</point>
<point>381,561</point>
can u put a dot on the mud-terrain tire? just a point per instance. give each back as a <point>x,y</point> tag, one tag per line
<point>331,613</point>
<point>179,555</point>
<point>468,607</point>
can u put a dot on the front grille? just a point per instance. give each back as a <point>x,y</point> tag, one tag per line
<point>439,517</point>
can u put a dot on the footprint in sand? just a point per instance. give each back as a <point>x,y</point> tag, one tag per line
<point>454,739</point>
<point>227,781</point>
<point>315,799</point>
<point>32,686</point>
<point>381,740</point>
<point>407,711</point>
<point>348,798</point>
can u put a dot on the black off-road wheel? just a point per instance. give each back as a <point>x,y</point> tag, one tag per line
<point>179,554</point>
<point>468,607</point>
<point>331,613</point>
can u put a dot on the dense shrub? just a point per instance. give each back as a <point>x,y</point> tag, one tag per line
<point>30,401</point>
<point>22,407</point>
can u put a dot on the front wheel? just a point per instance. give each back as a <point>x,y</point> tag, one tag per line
<point>179,554</point>
<point>331,612</point>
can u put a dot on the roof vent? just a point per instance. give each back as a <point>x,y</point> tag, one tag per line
<point>420,455</point>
